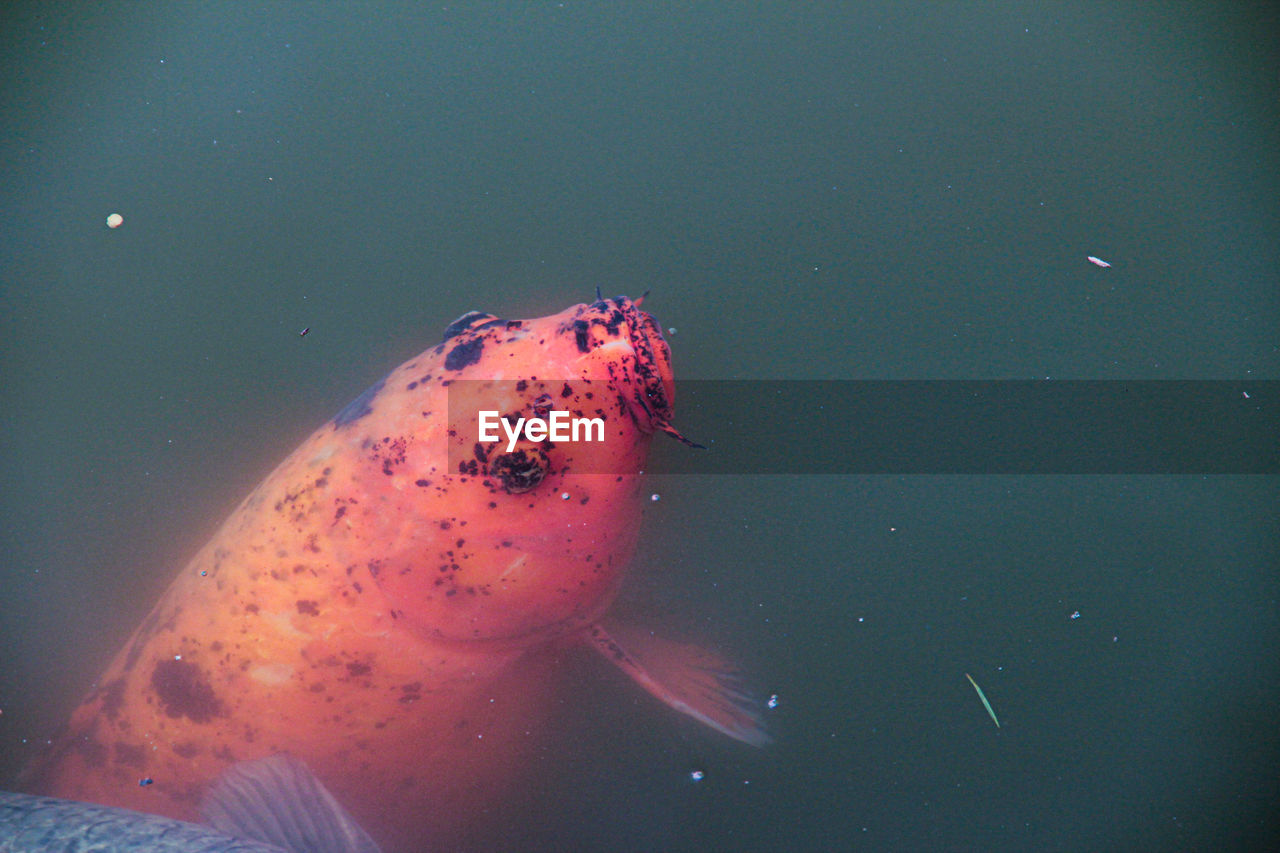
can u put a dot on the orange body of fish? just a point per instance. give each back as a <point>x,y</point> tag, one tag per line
<point>386,605</point>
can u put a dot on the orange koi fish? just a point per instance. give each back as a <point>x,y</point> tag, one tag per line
<point>387,605</point>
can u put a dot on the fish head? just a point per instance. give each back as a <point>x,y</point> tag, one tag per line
<point>515,537</point>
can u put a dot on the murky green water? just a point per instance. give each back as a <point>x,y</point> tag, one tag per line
<point>809,192</point>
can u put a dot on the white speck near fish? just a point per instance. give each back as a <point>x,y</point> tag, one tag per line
<point>272,805</point>
<point>1098,262</point>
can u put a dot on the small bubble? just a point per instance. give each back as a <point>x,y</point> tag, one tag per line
<point>654,497</point>
<point>671,331</point>
<point>696,775</point>
<point>564,496</point>
<point>1075,615</point>
<point>177,657</point>
<point>145,781</point>
<point>773,701</point>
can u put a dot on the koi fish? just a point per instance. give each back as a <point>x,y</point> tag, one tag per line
<point>389,603</point>
<point>273,805</point>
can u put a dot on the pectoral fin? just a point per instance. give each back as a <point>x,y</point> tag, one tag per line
<point>689,678</point>
<point>280,802</point>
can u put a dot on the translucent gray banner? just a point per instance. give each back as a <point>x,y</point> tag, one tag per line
<point>976,427</point>
<point>924,427</point>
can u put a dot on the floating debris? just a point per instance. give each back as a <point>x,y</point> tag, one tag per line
<point>983,697</point>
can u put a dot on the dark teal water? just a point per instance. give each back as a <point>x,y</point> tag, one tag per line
<point>810,191</point>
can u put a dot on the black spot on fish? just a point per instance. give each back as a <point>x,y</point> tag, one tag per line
<point>93,752</point>
<point>130,754</point>
<point>184,691</point>
<point>465,322</point>
<point>113,698</point>
<point>580,328</point>
<point>360,406</point>
<point>307,608</point>
<point>464,354</point>
<point>614,322</point>
<point>187,750</point>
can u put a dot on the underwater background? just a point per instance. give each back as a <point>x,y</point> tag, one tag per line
<point>809,191</point>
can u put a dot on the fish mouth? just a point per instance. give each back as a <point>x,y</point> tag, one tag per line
<point>652,402</point>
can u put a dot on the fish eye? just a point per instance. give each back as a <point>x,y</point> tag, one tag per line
<point>521,470</point>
